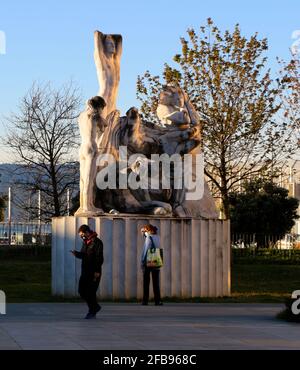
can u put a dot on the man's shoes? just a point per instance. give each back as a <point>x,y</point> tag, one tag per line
<point>90,315</point>
<point>144,303</point>
<point>98,308</point>
<point>159,304</point>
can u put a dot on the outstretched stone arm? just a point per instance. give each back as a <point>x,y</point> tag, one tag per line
<point>107,55</point>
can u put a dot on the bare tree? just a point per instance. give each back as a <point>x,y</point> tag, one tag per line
<point>44,135</point>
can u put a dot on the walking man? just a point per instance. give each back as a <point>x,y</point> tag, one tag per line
<point>91,255</point>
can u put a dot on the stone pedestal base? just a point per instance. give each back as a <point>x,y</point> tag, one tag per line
<point>196,256</point>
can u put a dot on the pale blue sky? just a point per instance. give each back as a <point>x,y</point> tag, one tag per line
<point>53,40</point>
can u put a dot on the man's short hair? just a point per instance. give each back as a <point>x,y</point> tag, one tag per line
<point>84,229</point>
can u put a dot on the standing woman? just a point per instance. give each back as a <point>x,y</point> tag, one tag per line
<point>151,239</point>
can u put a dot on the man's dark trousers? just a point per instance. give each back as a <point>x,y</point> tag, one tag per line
<point>88,289</point>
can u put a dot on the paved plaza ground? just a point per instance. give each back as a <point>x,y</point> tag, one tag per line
<point>174,326</point>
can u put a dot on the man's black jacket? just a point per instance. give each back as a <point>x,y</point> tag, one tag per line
<point>92,257</point>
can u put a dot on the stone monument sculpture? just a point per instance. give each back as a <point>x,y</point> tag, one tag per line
<point>105,132</point>
<point>126,150</point>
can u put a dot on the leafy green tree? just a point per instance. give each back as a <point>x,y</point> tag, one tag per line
<point>290,75</point>
<point>263,208</point>
<point>226,79</point>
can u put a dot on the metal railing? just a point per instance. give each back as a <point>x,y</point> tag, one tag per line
<point>20,233</point>
<point>264,241</point>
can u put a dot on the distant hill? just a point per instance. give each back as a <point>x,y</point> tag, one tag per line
<point>8,177</point>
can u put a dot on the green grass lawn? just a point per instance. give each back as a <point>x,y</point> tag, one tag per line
<point>29,280</point>
<point>26,280</point>
<point>264,283</point>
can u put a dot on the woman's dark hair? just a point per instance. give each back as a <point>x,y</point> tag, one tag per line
<point>84,229</point>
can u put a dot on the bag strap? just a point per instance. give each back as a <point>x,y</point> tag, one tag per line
<point>152,242</point>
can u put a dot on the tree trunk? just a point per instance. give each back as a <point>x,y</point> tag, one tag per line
<point>225,204</point>
<point>55,192</point>
<point>223,188</point>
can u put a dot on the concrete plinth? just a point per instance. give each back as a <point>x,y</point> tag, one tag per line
<point>196,256</point>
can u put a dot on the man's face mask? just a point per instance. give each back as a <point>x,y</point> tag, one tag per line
<point>83,237</point>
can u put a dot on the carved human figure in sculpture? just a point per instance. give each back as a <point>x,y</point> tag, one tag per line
<point>171,107</point>
<point>175,108</point>
<point>91,126</point>
<point>142,137</point>
<point>107,55</point>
